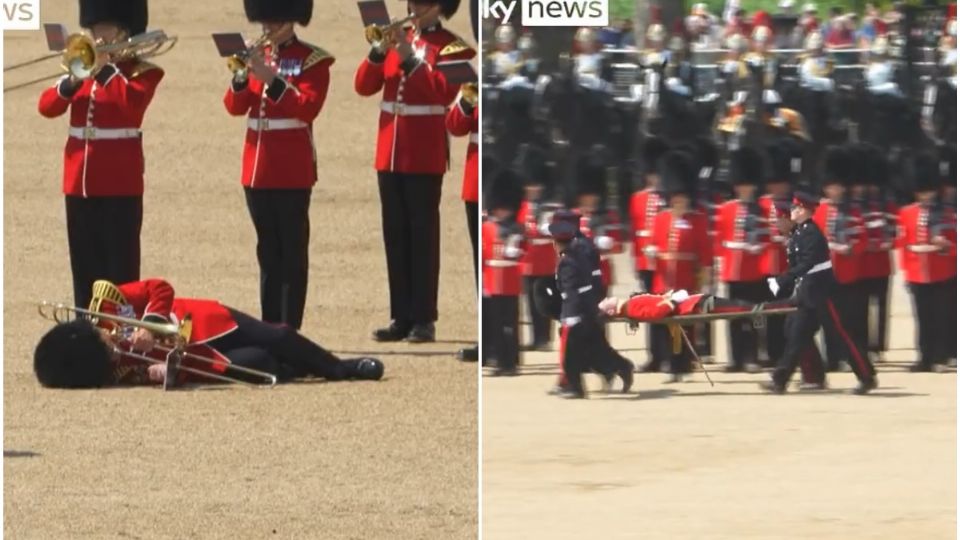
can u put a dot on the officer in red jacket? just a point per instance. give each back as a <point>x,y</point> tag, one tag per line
<point>281,93</point>
<point>463,121</point>
<point>681,245</point>
<point>411,158</point>
<point>741,241</point>
<point>843,228</point>
<point>503,245</point>
<point>103,160</point>
<point>539,258</point>
<point>927,240</point>
<point>79,355</point>
<point>785,167</point>
<point>879,214</point>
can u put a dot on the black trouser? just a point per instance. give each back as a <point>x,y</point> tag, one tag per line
<point>276,349</point>
<point>935,336</point>
<point>878,292</point>
<point>539,321</point>
<point>473,224</point>
<point>662,346</point>
<point>282,220</point>
<point>501,336</point>
<point>103,234</point>
<point>850,301</point>
<point>645,277</point>
<point>744,342</point>
<point>803,324</point>
<point>951,298</point>
<point>410,213</point>
<point>587,350</point>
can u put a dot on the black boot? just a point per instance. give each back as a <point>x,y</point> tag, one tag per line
<point>773,387</point>
<point>397,331</point>
<point>422,333</point>
<point>469,354</point>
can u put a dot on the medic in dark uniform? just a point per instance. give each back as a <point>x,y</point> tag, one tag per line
<point>103,164</point>
<point>281,93</point>
<point>927,241</point>
<point>812,285</point>
<point>411,157</point>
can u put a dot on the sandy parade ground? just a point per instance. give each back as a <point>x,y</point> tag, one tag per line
<point>693,462</point>
<point>394,459</point>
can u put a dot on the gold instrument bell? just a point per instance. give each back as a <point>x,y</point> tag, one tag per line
<point>375,33</point>
<point>240,62</point>
<point>470,93</point>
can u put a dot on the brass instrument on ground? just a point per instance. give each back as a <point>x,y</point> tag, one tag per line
<point>172,339</point>
<point>79,56</point>
<point>375,33</point>
<point>240,62</point>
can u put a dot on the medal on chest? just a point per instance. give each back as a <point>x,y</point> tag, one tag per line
<point>290,67</point>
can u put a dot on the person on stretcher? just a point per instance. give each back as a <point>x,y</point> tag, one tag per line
<point>655,307</point>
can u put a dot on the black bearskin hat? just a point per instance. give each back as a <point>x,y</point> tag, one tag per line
<point>129,14</point>
<point>678,174</point>
<point>448,8</point>
<point>837,167</point>
<point>72,355</point>
<point>532,163</point>
<point>653,149</point>
<point>746,167</point>
<point>506,191</point>
<point>592,172</point>
<point>779,170</point>
<point>707,156</point>
<point>259,11</point>
<point>877,169</point>
<point>923,173</point>
<point>546,297</point>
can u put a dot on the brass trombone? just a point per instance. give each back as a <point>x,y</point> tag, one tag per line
<point>79,56</point>
<point>173,340</point>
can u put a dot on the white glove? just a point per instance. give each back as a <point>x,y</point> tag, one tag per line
<point>512,252</point>
<point>608,306</point>
<point>604,243</point>
<point>679,296</point>
<point>774,286</point>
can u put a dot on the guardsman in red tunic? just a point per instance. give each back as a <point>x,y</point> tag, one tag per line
<point>281,92</point>
<point>927,240</point>
<point>948,195</point>
<point>540,257</point>
<point>411,158</point>
<point>503,246</point>
<point>463,121</point>
<point>597,224</point>
<point>79,355</point>
<point>879,214</point>
<point>741,241</point>
<point>785,168</point>
<point>843,228</point>
<point>103,164</point>
<point>682,248</point>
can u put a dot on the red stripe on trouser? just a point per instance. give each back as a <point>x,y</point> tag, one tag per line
<point>564,330</point>
<point>843,333</point>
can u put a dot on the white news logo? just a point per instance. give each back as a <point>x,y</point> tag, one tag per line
<point>550,12</point>
<point>20,15</point>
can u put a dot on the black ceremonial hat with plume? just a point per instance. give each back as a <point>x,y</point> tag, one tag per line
<point>299,11</point>
<point>129,14</point>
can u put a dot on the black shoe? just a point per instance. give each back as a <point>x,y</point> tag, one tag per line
<point>674,378</point>
<point>470,354</point>
<point>865,387</point>
<point>752,368</point>
<point>505,372</point>
<point>733,369</point>
<point>773,387</point>
<point>626,375</point>
<point>366,369</point>
<point>422,333</point>
<point>812,386</point>
<point>395,332</point>
<point>570,393</point>
<point>920,367</point>
<point>651,367</point>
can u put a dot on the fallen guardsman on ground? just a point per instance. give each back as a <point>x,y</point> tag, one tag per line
<point>139,333</point>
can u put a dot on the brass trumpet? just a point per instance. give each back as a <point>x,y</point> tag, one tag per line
<point>173,340</point>
<point>375,33</point>
<point>240,62</point>
<point>470,93</point>
<point>79,56</point>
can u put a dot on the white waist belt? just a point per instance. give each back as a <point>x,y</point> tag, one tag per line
<point>597,273</point>
<point>475,138</point>
<point>92,133</point>
<point>541,241</point>
<point>271,124</point>
<point>402,109</point>
<point>923,248</point>
<point>644,234</point>
<point>501,263</point>
<point>820,267</point>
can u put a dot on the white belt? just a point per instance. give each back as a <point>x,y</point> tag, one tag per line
<point>739,245</point>
<point>580,290</point>
<point>820,267</point>
<point>541,241</point>
<point>270,124</point>
<point>597,273</point>
<point>475,138</point>
<point>644,234</point>
<point>92,133</point>
<point>570,321</point>
<point>402,109</point>
<point>501,263</point>
<point>923,248</point>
